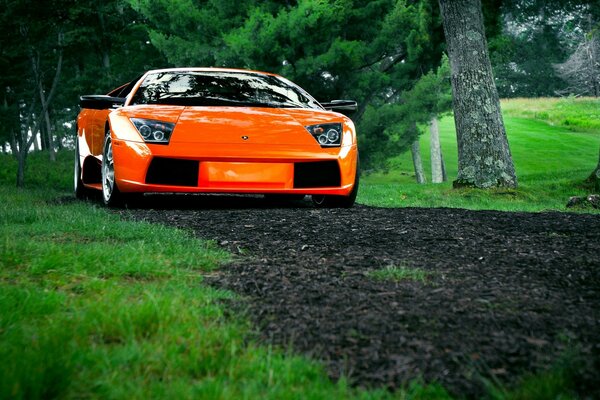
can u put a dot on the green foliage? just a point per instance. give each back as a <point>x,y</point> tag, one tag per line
<point>39,171</point>
<point>535,36</point>
<point>372,52</point>
<point>391,128</point>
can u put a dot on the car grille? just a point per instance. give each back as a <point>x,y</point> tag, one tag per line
<point>171,171</point>
<point>317,174</point>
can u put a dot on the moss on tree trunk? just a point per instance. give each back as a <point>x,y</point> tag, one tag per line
<point>484,158</point>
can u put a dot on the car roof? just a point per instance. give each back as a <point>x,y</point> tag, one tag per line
<point>208,69</point>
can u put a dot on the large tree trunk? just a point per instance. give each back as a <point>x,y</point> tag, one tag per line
<point>415,149</point>
<point>437,171</point>
<point>484,158</point>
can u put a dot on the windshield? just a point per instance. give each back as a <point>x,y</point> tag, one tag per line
<point>221,88</point>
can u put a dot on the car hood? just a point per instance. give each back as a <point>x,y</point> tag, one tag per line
<point>248,124</point>
<point>218,125</point>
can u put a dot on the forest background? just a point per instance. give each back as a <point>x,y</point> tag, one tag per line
<point>387,55</point>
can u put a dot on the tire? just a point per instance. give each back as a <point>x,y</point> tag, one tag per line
<point>333,201</point>
<point>111,195</point>
<point>80,191</point>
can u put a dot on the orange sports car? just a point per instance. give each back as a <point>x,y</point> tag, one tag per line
<point>215,130</point>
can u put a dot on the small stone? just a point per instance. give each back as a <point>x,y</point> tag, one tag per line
<point>574,201</point>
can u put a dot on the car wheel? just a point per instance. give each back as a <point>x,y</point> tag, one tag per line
<point>80,191</point>
<point>110,191</point>
<point>332,201</point>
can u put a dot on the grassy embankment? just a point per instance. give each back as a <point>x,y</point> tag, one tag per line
<point>554,143</point>
<point>95,307</point>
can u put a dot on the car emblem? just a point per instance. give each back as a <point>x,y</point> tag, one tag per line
<point>245,137</point>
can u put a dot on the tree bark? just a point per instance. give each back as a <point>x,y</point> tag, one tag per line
<point>444,174</point>
<point>415,149</point>
<point>437,173</point>
<point>47,128</point>
<point>595,176</point>
<point>484,158</point>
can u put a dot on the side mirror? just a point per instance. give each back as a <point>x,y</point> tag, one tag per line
<point>341,105</point>
<point>101,102</point>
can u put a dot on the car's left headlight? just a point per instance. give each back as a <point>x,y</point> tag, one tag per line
<point>153,131</point>
<point>328,135</point>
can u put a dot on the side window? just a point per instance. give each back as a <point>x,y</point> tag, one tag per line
<point>123,90</point>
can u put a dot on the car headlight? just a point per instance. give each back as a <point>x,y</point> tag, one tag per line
<point>328,135</point>
<point>153,131</point>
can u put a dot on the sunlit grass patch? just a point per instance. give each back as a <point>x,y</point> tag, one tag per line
<point>399,273</point>
<point>577,114</point>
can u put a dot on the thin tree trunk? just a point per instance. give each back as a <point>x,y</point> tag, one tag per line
<point>436,152</point>
<point>45,100</point>
<point>21,157</point>
<point>47,125</point>
<point>37,143</point>
<point>415,149</point>
<point>444,174</point>
<point>484,158</point>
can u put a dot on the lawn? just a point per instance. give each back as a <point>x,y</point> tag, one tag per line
<point>551,162</point>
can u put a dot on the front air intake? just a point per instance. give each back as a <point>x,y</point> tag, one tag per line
<point>172,171</point>
<point>317,174</point>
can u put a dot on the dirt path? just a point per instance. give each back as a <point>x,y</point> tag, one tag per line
<point>506,293</point>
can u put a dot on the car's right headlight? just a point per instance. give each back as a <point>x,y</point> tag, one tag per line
<point>328,135</point>
<point>153,131</point>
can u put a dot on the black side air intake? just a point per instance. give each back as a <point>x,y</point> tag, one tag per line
<point>317,174</point>
<point>171,171</point>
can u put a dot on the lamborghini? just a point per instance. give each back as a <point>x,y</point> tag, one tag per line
<point>215,130</point>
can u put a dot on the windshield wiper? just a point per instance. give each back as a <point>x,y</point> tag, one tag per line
<point>218,101</point>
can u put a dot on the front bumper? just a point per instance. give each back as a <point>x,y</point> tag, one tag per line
<point>233,168</point>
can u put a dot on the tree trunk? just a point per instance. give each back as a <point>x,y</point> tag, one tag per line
<point>444,174</point>
<point>417,163</point>
<point>437,173</point>
<point>36,144</point>
<point>484,158</point>
<point>47,128</point>
<point>21,157</point>
<point>595,176</point>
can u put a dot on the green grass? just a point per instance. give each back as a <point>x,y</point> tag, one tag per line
<point>397,274</point>
<point>576,114</point>
<point>92,306</point>
<point>551,163</point>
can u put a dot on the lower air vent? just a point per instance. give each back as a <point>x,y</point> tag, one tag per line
<point>171,171</point>
<point>317,174</point>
